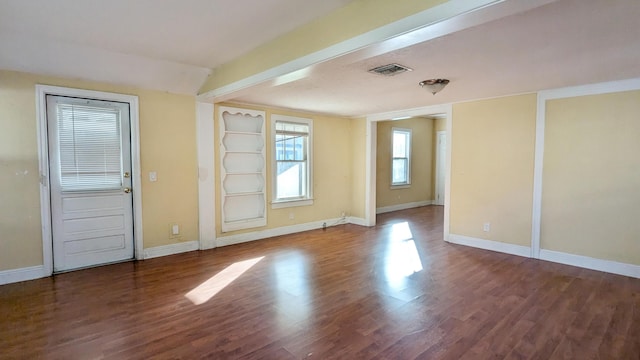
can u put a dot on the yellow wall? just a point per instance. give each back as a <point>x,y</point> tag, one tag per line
<point>439,125</point>
<point>492,168</point>
<point>332,172</point>
<point>421,163</point>
<point>591,177</point>
<point>355,18</point>
<point>167,140</point>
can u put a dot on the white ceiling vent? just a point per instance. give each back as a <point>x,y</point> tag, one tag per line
<point>390,69</point>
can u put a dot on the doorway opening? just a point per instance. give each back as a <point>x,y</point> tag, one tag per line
<point>438,162</point>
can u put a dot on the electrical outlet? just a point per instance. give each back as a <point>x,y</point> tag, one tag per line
<point>486,227</point>
<point>174,230</point>
<point>343,215</point>
<point>291,216</point>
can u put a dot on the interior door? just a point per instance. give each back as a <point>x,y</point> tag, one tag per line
<point>90,179</point>
<point>441,153</point>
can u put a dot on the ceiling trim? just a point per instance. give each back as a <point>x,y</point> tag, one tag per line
<point>421,111</point>
<point>447,18</point>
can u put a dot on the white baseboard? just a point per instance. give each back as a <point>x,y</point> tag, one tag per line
<point>22,274</point>
<point>586,262</point>
<point>171,249</point>
<point>285,230</point>
<point>490,245</point>
<point>208,244</point>
<point>386,209</point>
<point>357,221</point>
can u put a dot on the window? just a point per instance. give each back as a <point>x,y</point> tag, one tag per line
<point>401,157</point>
<point>292,161</point>
<point>89,145</point>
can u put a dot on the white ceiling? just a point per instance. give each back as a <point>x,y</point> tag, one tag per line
<point>565,43</point>
<point>173,45</point>
<point>163,44</point>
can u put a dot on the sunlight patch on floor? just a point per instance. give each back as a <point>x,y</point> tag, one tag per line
<point>402,258</point>
<point>208,289</point>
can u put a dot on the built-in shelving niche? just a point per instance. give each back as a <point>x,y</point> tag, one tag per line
<point>242,168</point>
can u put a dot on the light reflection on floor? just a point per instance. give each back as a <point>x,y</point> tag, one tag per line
<point>208,289</point>
<point>402,259</point>
<point>293,288</point>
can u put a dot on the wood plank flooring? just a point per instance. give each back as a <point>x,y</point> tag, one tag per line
<point>395,291</point>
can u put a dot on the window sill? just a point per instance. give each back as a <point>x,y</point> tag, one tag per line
<point>403,186</point>
<point>291,203</point>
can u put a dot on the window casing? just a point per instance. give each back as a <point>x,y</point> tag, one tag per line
<point>400,157</point>
<point>291,161</point>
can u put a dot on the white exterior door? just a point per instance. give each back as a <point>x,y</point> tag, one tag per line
<point>90,179</point>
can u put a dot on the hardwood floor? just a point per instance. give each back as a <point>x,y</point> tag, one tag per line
<point>396,291</point>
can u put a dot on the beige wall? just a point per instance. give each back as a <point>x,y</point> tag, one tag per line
<point>591,177</point>
<point>332,172</point>
<point>167,140</point>
<point>492,168</point>
<point>421,163</point>
<point>355,18</point>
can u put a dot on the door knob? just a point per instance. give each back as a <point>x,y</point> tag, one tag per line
<point>127,190</point>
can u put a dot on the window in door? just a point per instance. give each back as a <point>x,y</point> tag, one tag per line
<point>401,157</point>
<point>292,161</point>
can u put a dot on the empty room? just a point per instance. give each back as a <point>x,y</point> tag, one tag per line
<point>338,179</point>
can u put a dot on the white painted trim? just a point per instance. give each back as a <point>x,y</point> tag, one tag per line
<point>284,230</point>
<point>586,262</point>
<point>284,203</point>
<point>23,274</point>
<point>506,248</point>
<point>440,20</point>
<point>409,113</point>
<point>171,249</point>
<point>538,164</point>
<point>411,205</point>
<point>447,180</point>
<point>205,137</point>
<point>541,113</point>
<point>43,163</point>
<point>438,165</point>
<point>356,221</point>
<point>591,89</point>
<point>371,151</point>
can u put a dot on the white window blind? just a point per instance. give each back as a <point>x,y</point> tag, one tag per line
<point>90,147</point>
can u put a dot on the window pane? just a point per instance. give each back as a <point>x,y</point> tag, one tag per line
<point>90,148</point>
<point>291,180</point>
<point>399,171</point>
<point>399,144</point>
<point>291,147</point>
<point>280,147</point>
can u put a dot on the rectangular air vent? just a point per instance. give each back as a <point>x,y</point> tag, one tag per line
<point>390,69</point>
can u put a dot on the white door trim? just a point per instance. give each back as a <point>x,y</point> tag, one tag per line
<point>43,162</point>
<point>438,165</point>
<point>370,155</point>
<point>541,117</point>
<point>205,137</point>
